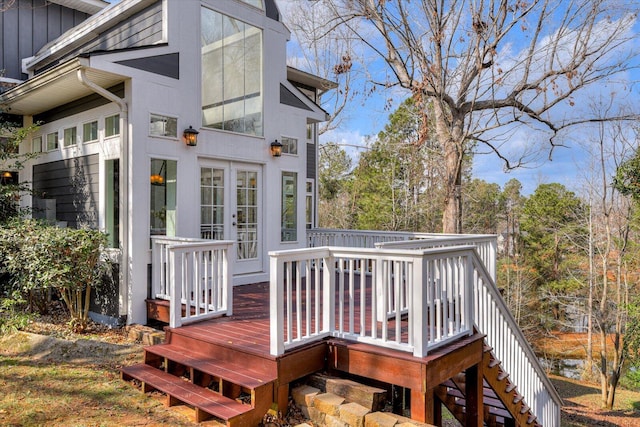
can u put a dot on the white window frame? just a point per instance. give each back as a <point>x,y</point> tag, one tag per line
<point>57,142</point>
<point>286,145</point>
<point>74,141</point>
<point>106,129</point>
<point>84,135</point>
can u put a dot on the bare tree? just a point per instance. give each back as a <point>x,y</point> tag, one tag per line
<point>610,219</point>
<point>491,67</point>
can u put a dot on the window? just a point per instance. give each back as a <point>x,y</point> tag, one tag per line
<point>310,132</point>
<point>112,126</point>
<point>52,141</point>
<point>163,126</point>
<point>163,197</point>
<point>90,131</point>
<point>112,211</point>
<point>309,205</point>
<point>36,144</point>
<point>70,135</point>
<point>289,207</point>
<point>231,74</point>
<point>289,145</point>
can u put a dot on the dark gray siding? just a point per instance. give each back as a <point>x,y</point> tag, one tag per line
<point>311,161</point>
<point>73,183</point>
<point>288,98</point>
<point>140,30</point>
<point>27,26</point>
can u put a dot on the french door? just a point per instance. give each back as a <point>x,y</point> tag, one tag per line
<point>231,209</point>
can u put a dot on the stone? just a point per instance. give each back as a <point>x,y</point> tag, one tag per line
<point>304,395</point>
<point>379,419</point>
<point>331,421</point>
<point>353,414</point>
<point>372,398</point>
<point>328,403</point>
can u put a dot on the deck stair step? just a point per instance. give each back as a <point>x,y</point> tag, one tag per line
<point>226,371</point>
<point>206,403</point>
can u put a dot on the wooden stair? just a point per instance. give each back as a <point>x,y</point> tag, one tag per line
<point>503,405</point>
<point>238,392</point>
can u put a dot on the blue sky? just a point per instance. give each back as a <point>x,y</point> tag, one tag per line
<point>366,116</point>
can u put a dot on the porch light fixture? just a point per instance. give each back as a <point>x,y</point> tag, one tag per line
<point>190,136</point>
<point>276,148</point>
<point>7,175</point>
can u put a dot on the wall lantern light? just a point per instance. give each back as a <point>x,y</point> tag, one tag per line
<point>276,148</point>
<point>190,136</point>
<point>7,175</point>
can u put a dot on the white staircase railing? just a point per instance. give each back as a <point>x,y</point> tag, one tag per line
<point>194,275</point>
<point>493,318</point>
<point>413,301</point>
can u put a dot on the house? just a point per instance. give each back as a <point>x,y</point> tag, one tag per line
<point>176,127</point>
<point>116,95</point>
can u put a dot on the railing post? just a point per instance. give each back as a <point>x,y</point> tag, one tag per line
<point>175,285</point>
<point>227,275</point>
<point>276,306</point>
<point>417,307</point>
<point>328,293</point>
<point>470,288</point>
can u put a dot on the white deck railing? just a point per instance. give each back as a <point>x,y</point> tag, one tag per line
<point>413,301</point>
<point>486,244</point>
<point>493,318</point>
<point>194,275</point>
<point>317,293</point>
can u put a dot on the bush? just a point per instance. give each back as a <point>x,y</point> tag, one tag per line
<point>41,257</point>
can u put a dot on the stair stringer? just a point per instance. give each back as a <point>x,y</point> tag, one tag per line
<point>506,391</point>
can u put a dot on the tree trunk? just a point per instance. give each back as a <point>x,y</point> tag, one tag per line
<point>449,131</point>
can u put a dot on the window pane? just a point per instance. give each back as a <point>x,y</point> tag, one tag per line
<point>52,141</point>
<point>36,144</point>
<point>70,136</point>
<point>112,125</point>
<point>90,131</point>
<point>112,213</point>
<point>163,197</point>
<point>231,74</point>
<point>289,145</point>
<point>212,203</point>
<point>289,207</point>
<point>163,126</point>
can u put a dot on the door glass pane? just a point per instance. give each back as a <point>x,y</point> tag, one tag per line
<point>212,203</point>
<point>247,214</point>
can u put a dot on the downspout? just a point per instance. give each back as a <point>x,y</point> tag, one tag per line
<point>123,181</point>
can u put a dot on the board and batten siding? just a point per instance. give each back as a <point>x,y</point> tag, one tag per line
<point>27,26</point>
<point>142,29</point>
<point>73,183</point>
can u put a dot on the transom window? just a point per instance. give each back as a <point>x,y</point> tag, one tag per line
<point>289,145</point>
<point>112,125</point>
<point>52,141</point>
<point>90,131</point>
<point>36,144</point>
<point>70,135</point>
<point>231,74</point>
<point>160,125</point>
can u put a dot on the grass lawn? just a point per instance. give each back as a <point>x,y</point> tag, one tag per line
<point>74,381</point>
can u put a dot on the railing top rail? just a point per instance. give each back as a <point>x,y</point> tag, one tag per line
<point>201,244</point>
<point>401,233</point>
<point>515,329</point>
<point>305,253</point>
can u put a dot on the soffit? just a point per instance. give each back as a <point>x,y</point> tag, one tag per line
<point>55,87</point>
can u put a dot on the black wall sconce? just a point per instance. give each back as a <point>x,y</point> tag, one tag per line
<point>190,136</point>
<point>276,148</point>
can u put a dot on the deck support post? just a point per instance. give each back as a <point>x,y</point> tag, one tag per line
<point>282,397</point>
<point>474,396</point>
<point>423,407</point>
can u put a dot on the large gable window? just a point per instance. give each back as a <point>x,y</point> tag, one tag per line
<point>231,74</point>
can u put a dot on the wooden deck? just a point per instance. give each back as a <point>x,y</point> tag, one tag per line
<point>233,354</point>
